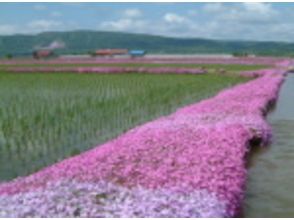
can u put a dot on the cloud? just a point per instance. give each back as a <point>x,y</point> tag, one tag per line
<point>174,18</point>
<point>130,20</point>
<point>43,25</point>
<point>124,24</point>
<point>7,29</point>
<point>258,7</point>
<point>171,24</point>
<point>132,13</point>
<point>250,12</point>
<point>246,21</point>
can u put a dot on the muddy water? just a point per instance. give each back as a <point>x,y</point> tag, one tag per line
<point>270,187</point>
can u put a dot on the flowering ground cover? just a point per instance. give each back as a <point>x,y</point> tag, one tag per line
<point>188,164</point>
<point>117,66</point>
<point>45,118</point>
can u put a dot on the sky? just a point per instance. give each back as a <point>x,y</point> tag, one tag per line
<point>224,21</point>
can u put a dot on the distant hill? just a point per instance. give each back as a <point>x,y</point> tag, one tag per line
<point>85,41</point>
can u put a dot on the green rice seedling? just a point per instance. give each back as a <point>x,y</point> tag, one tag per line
<point>210,67</point>
<point>45,118</point>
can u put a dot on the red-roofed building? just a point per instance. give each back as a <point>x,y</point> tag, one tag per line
<point>110,52</point>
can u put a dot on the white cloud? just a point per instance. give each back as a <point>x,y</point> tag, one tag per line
<point>173,18</point>
<point>130,20</point>
<point>258,7</point>
<point>120,24</point>
<point>215,20</point>
<point>124,24</point>
<point>6,29</point>
<point>252,12</point>
<point>132,13</point>
<point>43,25</point>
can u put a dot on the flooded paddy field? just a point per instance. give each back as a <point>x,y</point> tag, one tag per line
<point>270,187</point>
<point>48,117</point>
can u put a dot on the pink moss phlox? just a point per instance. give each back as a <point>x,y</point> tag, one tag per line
<point>69,198</point>
<point>287,63</point>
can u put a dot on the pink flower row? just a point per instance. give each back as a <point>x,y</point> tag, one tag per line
<point>153,70</point>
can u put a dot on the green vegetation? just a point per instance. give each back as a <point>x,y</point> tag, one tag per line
<point>209,67</point>
<point>47,117</point>
<point>87,41</point>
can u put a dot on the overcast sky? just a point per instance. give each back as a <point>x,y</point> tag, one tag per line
<point>244,21</point>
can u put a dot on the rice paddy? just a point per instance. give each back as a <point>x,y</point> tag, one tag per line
<point>229,68</point>
<point>45,118</point>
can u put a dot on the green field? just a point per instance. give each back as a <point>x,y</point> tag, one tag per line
<point>209,67</point>
<point>47,117</point>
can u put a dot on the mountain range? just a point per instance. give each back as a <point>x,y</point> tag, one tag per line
<point>83,41</point>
